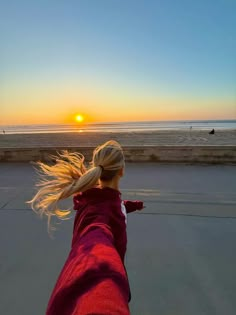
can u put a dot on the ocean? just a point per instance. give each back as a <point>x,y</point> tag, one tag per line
<point>122,126</point>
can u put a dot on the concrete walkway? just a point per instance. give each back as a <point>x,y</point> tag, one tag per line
<point>181,253</point>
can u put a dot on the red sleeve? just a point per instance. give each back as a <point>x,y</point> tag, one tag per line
<point>133,205</point>
<point>93,279</point>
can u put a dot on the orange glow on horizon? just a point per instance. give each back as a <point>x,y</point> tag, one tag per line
<point>39,106</point>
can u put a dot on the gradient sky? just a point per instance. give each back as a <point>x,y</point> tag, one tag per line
<point>117,60</point>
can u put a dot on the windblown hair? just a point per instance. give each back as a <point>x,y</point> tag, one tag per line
<point>69,176</point>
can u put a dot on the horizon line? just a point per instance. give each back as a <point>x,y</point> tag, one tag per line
<point>119,122</point>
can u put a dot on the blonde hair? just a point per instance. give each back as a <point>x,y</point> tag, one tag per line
<point>69,176</point>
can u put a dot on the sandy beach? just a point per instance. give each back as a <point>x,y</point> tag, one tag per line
<point>170,137</point>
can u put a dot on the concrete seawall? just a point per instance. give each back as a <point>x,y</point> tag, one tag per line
<point>159,154</point>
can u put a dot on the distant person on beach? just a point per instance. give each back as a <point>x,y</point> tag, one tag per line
<point>93,279</point>
<point>212,132</point>
<point>3,132</point>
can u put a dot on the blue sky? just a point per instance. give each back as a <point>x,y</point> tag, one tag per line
<point>106,55</point>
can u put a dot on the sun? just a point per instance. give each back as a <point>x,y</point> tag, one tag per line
<point>79,118</point>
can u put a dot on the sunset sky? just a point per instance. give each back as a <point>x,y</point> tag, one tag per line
<point>117,60</point>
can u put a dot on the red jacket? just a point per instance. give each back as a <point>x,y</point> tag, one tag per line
<point>93,279</point>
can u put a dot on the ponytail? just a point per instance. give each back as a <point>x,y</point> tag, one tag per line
<point>69,176</point>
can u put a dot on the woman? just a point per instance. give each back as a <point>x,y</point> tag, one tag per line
<point>93,279</point>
